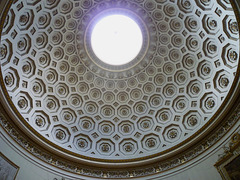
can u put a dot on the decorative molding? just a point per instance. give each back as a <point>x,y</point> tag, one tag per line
<point>231,153</point>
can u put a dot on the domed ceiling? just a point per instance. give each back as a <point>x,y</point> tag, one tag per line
<point>172,92</point>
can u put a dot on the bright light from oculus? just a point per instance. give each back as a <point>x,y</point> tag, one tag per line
<point>116,39</point>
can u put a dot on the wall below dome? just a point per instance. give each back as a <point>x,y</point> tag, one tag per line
<point>28,170</point>
<point>32,168</point>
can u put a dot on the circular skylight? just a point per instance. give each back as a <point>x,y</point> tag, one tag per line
<point>116,39</point>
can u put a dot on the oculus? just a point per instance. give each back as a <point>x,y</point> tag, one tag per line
<point>116,39</point>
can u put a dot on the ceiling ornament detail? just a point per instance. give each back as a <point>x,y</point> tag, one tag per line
<point>156,103</point>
